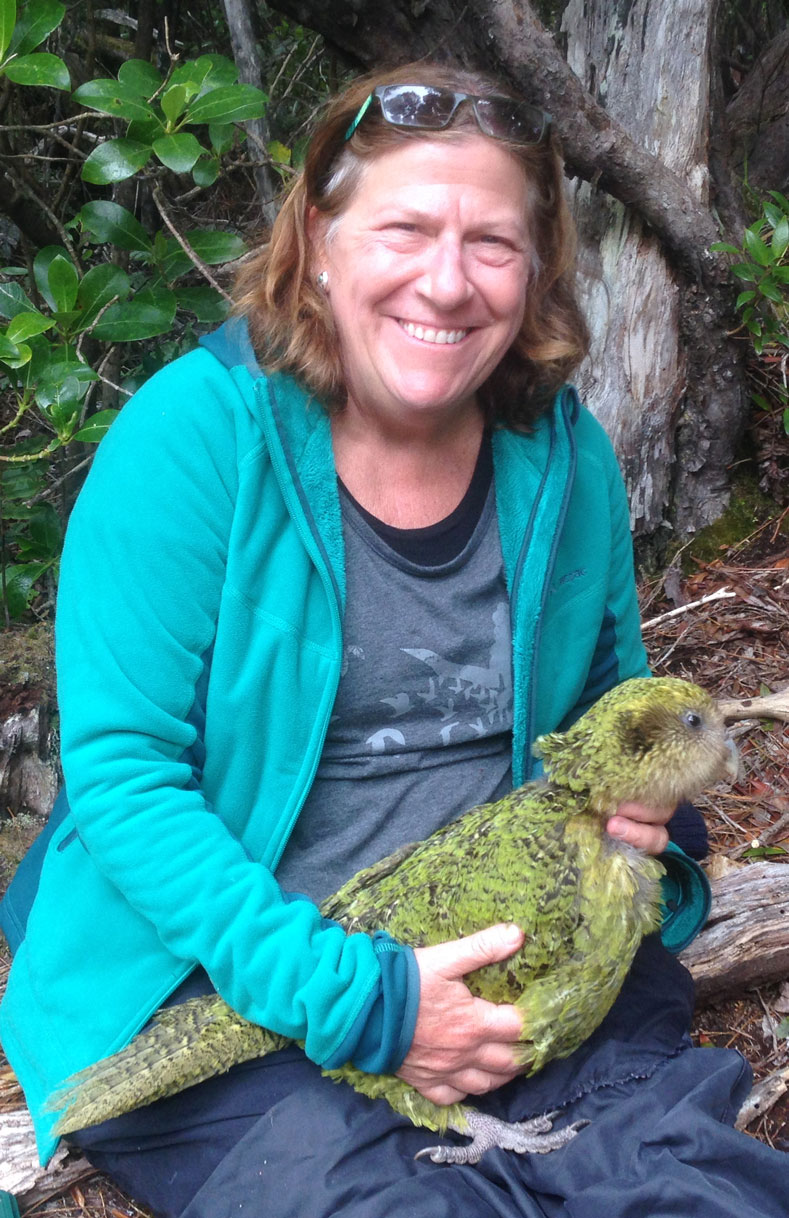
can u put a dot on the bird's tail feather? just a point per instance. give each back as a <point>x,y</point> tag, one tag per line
<point>183,1045</point>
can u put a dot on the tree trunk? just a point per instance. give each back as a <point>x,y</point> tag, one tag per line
<point>250,72</point>
<point>654,373</point>
<point>632,110</point>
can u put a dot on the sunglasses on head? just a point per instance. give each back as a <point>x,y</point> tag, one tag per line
<point>429,108</point>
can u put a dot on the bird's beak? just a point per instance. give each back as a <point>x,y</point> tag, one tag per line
<point>732,764</point>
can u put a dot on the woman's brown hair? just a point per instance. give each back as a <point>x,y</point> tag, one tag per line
<point>289,317</point>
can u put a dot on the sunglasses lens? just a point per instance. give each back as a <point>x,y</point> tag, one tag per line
<point>417,106</point>
<point>506,119</point>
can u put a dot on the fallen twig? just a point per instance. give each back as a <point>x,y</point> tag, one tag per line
<point>720,594</point>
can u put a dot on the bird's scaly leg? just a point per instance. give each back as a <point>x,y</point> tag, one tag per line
<point>534,1137</point>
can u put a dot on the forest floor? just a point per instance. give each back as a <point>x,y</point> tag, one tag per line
<point>737,646</point>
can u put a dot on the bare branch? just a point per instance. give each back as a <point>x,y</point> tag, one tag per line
<point>184,244</point>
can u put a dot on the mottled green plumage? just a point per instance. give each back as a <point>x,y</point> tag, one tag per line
<point>539,857</point>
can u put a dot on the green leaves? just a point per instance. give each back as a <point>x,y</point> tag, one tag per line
<point>764,304</point>
<point>113,97</point>
<point>41,69</point>
<point>81,302</point>
<point>115,160</point>
<point>178,152</point>
<point>107,221</point>
<point>233,104</point>
<point>201,93</point>
<point>19,38</point>
<point>150,313</point>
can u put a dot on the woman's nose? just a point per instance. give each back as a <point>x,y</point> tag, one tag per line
<point>445,281</point>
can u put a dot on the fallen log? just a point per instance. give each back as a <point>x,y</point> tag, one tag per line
<point>746,940</point>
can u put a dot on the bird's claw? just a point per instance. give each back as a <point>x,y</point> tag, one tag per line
<point>536,1137</point>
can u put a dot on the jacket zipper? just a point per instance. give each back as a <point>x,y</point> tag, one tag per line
<point>531,709</point>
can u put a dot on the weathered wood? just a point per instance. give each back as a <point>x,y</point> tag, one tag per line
<point>764,1096</point>
<point>770,706</point>
<point>746,941</point>
<point>636,59</point>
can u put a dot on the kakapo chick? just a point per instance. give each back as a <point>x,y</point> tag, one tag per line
<point>540,857</point>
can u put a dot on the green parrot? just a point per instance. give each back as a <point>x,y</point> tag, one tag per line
<point>540,858</point>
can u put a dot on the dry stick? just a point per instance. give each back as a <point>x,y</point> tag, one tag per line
<point>185,246</point>
<point>721,594</point>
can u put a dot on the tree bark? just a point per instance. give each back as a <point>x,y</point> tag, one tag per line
<point>250,71</point>
<point>746,941</point>
<point>664,377</point>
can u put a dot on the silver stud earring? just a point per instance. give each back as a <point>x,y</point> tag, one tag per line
<point>323,280</point>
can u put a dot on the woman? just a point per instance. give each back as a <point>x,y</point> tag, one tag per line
<point>313,612</point>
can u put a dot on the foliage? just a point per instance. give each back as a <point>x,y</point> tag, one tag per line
<point>114,287</point>
<point>763,266</point>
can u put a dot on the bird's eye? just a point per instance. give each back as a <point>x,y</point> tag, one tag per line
<point>692,719</point>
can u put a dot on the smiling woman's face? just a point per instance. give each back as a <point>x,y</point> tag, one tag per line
<point>428,268</point>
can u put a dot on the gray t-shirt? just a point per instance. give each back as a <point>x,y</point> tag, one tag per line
<point>422,722</point>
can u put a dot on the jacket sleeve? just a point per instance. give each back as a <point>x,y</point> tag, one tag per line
<point>142,574</point>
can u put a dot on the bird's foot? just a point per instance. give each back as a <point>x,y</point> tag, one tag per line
<point>534,1137</point>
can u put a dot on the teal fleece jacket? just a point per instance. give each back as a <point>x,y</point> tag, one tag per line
<point>199,646</point>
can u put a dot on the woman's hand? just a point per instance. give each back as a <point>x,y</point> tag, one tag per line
<point>462,1045</point>
<point>641,826</point>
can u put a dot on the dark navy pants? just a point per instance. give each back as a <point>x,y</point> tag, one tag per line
<point>275,1139</point>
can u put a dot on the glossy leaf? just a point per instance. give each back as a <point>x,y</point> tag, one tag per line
<point>221,136</point>
<point>178,152</point>
<point>7,23</point>
<point>232,104</point>
<point>216,247</point>
<point>13,300</point>
<point>112,97</point>
<point>140,76</point>
<point>101,285</point>
<point>780,238</point>
<point>26,325</point>
<point>115,160</point>
<point>148,314</point>
<point>15,355</point>
<point>174,102</point>
<point>756,248</point>
<point>770,290</point>
<point>205,302</point>
<point>210,246</point>
<point>41,69</point>
<point>63,283</point>
<point>108,221</point>
<point>206,72</point>
<point>41,265</point>
<point>36,22</point>
<point>44,535</point>
<point>20,580</point>
<point>206,171</point>
<point>97,426</point>
<point>145,130</point>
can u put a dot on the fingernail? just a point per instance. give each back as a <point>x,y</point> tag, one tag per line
<point>512,933</point>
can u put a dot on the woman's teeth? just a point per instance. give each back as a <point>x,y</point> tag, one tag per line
<point>426,335</point>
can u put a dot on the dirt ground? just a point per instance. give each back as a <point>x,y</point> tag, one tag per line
<point>736,645</point>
